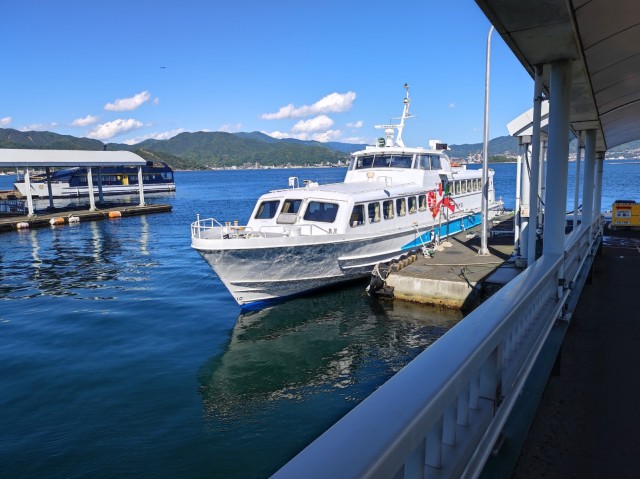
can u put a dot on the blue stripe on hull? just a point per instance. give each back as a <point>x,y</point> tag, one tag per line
<point>447,229</point>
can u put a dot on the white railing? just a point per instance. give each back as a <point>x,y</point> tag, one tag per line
<point>212,228</point>
<point>441,415</point>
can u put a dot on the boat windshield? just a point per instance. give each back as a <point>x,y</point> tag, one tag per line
<point>320,211</point>
<point>382,161</point>
<point>267,210</point>
<point>428,162</point>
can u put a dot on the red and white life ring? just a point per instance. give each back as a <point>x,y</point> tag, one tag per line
<point>431,200</point>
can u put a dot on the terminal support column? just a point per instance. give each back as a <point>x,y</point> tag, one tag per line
<point>587,187</point>
<point>92,200</point>
<point>597,194</point>
<point>535,167</point>
<point>557,158</point>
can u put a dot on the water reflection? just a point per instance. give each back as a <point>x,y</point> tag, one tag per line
<point>75,261</point>
<point>334,341</point>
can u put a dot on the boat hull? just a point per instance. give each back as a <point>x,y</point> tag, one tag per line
<point>258,271</point>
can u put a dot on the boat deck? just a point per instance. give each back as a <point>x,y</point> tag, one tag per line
<point>62,216</point>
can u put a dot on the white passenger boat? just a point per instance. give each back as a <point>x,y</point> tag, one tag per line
<point>394,199</point>
<point>115,180</point>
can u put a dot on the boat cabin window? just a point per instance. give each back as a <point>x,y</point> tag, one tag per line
<point>464,186</point>
<point>321,212</point>
<point>373,210</point>
<point>267,210</point>
<point>401,206</point>
<point>413,204</point>
<point>428,162</point>
<point>383,161</point>
<point>357,216</point>
<point>363,162</point>
<point>422,202</point>
<point>387,208</point>
<point>291,206</point>
<point>457,187</point>
<point>400,161</point>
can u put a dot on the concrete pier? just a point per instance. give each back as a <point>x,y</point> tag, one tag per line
<point>457,276</point>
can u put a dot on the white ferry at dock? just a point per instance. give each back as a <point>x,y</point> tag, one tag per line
<point>393,199</point>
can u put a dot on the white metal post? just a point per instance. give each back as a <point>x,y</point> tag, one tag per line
<point>589,169</point>
<point>48,171</point>
<point>92,200</point>
<point>535,167</point>
<point>543,179</point>
<point>484,250</point>
<point>525,219</point>
<point>576,192</point>
<point>100,193</point>
<point>27,185</point>
<point>140,186</point>
<point>597,194</point>
<point>558,158</point>
<point>516,218</point>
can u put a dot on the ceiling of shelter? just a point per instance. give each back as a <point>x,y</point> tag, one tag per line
<point>603,39</point>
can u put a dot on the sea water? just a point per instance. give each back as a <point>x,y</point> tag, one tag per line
<point>122,354</point>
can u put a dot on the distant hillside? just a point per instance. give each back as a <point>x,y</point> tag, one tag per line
<point>10,138</point>
<point>216,149</point>
<point>201,150</point>
<point>500,146</point>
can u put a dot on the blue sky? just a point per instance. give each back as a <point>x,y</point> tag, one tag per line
<point>124,71</point>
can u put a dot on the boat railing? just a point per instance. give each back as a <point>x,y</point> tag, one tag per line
<point>212,228</point>
<point>442,415</point>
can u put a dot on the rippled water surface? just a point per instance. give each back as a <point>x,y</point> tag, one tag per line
<point>123,355</point>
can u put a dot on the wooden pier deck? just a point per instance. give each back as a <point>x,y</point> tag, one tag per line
<point>62,216</point>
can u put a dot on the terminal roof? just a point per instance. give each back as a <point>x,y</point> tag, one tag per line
<point>11,158</point>
<point>603,39</point>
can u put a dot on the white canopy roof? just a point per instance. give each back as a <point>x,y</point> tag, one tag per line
<point>603,39</point>
<point>10,158</point>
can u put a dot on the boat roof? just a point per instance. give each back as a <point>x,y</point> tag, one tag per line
<point>10,158</point>
<point>397,150</point>
<point>359,191</point>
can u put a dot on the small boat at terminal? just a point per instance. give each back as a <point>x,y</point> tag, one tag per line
<point>394,199</point>
<point>115,180</point>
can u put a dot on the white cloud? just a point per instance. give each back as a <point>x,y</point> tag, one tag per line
<point>114,128</point>
<point>329,135</point>
<point>319,123</point>
<point>86,121</point>
<point>156,101</point>
<point>165,135</point>
<point>126,104</point>
<point>452,105</point>
<point>332,103</point>
<point>354,139</point>
<point>6,121</point>
<point>277,134</point>
<point>229,128</point>
<point>357,124</point>
<point>39,126</point>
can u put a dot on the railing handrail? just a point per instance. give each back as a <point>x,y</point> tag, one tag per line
<point>443,411</point>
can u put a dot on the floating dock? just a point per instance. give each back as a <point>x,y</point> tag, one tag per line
<point>64,216</point>
<point>456,276</point>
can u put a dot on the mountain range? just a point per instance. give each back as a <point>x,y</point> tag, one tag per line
<point>202,150</point>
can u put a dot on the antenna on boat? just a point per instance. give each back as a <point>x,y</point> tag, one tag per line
<point>388,129</point>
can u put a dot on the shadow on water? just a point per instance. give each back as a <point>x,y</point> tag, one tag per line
<point>336,341</point>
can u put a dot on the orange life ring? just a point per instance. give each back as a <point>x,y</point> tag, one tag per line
<point>431,200</point>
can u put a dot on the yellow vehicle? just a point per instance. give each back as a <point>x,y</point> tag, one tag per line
<point>625,213</point>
